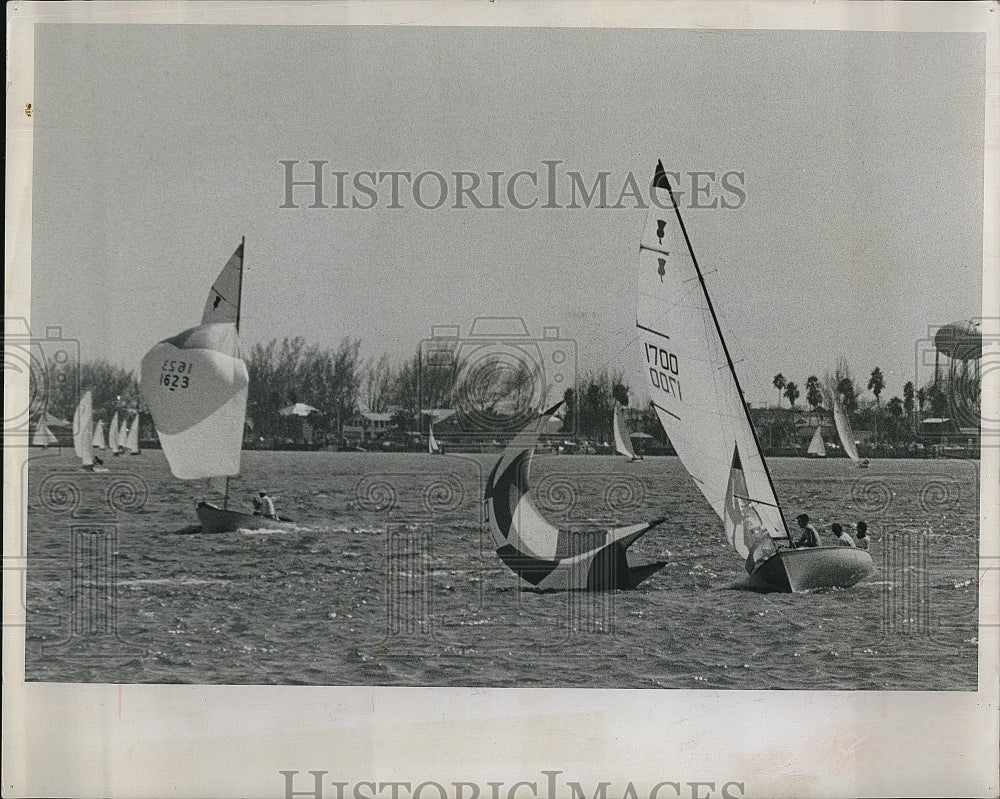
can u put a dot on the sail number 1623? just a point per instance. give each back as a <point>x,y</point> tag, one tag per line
<point>175,374</point>
<point>663,372</point>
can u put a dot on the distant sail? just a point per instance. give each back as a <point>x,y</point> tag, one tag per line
<point>123,432</point>
<point>195,385</point>
<point>132,439</point>
<point>691,380</point>
<point>816,445</point>
<point>432,445</point>
<point>83,432</point>
<point>844,429</point>
<point>623,444</point>
<point>223,301</point>
<point>43,436</point>
<point>113,433</point>
<point>98,440</point>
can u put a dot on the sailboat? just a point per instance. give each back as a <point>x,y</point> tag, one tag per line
<point>114,446</point>
<point>195,384</point>
<point>132,437</point>
<point>43,437</point>
<point>698,399</point>
<point>432,445</point>
<point>623,443</point>
<point>83,435</point>
<point>540,553</point>
<point>98,440</point>
<point>846,434</point>
<point>816,446</point>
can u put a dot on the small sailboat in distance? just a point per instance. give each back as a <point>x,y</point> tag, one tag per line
<point>195,385</point>
<point>132,436</point>
<point>83,435</point>
<point>114,446</point>
<point>43,437</point>
<point>623,442</point>
<point>816,446</point>
<point>844,431</point>
<point>98,441</point>
<point>432,445</point>
<point>698,399</point>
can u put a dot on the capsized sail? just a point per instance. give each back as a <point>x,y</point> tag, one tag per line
<point>43,437</point>
<point>98,441</point>
<point>113,443</point>
<point>83,433</point>
<point>692,383</point>
<point>816,445</point>
<point>844,429</point>
<point>536,550</point>
<point>623,444</point>
<point>195,385</point>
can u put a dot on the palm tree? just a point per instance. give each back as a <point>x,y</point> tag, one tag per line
<point>876,383</point>
<point>908,399</point>
<point>791,392</point>
<point>779,383</point>
<point>813,394</point>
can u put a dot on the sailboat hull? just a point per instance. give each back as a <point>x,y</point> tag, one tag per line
<point>217,520</point>
<point>808,568</point>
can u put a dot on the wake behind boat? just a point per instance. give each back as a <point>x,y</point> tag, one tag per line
<point>195,385</point>
<point>698,399</point>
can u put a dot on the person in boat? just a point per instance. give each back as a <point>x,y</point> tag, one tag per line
<point>861,531</point>
<point>264,506</point>
<point>843,539</point>
<point>809,537</point>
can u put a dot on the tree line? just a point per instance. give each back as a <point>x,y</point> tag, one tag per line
<point>484,390</point>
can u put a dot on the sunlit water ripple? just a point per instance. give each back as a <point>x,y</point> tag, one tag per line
<point>390,579</point>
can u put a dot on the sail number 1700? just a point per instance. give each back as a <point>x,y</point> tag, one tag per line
<point>663,373</point>
<point>175,374</point>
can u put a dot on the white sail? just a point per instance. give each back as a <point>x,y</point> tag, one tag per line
<point>844,429</point>
<point>132,439</point>
<point>691,379</point>
<point>113,442</point>
<point>83,432</point>
<point>195,385</point>
<point>43,436</point>
<point>98,441</point>
<point>816,445</point>
<point>623,444</point>
<point>432,445</point>
<point>123,432</point>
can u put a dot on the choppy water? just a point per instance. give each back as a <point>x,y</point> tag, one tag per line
<point>389,579</point>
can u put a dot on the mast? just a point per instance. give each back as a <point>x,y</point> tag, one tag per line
<point>239,307</point>
<point>662,176</point>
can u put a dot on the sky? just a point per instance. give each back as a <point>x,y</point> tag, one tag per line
<point>860,161</point>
